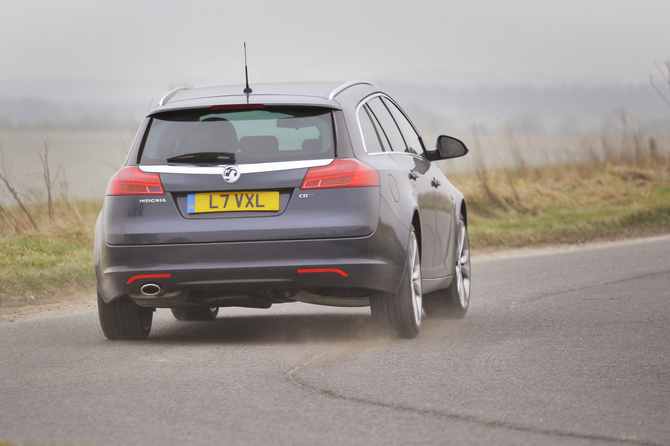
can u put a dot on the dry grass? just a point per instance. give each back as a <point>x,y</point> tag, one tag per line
<point>55,258</point>
<point>46,240</point>
<point>620,189</point>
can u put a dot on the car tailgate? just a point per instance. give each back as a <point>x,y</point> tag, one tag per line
<point>323,213</point>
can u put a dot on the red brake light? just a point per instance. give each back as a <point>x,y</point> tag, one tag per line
<point>347,172</point>
<point>238,107</point>
<point>132,181</point>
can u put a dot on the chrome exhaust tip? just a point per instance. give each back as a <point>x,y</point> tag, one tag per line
<point>151,289</point>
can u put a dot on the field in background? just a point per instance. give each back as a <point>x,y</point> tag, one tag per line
<point>84,161</point>
<point>592,188</point>
<point>521,190</point>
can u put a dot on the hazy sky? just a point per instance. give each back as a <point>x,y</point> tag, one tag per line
<point>461,43</point>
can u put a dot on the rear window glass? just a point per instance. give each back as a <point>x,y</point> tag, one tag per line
<point>254,136</point>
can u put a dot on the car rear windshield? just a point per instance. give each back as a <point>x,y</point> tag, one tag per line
<point>258,135</point>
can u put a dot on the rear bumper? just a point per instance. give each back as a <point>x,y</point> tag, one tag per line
<point>372,263</point>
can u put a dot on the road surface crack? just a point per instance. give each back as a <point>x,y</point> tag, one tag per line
<point>596,285</point>
<point>450,416</point>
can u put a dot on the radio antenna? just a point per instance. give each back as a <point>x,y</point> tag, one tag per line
<point>247,90</point>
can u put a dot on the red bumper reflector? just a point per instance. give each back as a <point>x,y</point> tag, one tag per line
<point>148,276</point>
<point>323,270</point>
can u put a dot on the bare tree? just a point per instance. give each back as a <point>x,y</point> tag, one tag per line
<point>4,177</point>
<point>666,77</point>
<point>47,177</point>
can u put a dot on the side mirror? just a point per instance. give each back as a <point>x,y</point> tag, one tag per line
<point>448,147</point>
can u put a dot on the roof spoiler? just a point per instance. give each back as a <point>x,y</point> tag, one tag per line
<point>171,93</point>
<point>343,87</point>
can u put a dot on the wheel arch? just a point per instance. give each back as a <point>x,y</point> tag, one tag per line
<point>463,210</point>
<point>416,223</point>
<point>460,209</point>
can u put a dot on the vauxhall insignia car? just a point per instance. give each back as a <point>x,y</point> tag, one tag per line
<point>312,192</point>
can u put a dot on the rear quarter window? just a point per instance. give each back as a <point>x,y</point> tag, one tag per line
<point>388,124</point>
<point>414,144</point>
<point>368,131</point>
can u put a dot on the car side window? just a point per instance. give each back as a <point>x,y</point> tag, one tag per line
<point>412,139</point>
<point>386,145</point>
<point>388,124</point>
<point>370,136</point>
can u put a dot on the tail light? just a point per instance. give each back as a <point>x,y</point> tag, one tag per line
<point>340,173</point>
<point>238,107</point>
<point>132,181</point>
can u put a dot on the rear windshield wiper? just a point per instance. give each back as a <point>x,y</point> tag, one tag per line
<point>204,158</point>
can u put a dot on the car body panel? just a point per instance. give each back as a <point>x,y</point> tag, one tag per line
<point>130,221</point>
<point>374,261</point>
<point>347,242</point>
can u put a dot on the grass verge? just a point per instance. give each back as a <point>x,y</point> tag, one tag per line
<point>566,204</point>
<point>51,262</point>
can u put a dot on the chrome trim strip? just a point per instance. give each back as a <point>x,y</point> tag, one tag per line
<point>394,153</point>
<point>417,155</point>
<point>171,93</point>
<point>343,87</point>
<point>244,168</point>
<point>360,129</point>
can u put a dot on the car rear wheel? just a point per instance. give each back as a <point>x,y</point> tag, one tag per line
<point>195,313</point>
<point>453,301</point>
<point>401,311</point>
<point>123,319</point>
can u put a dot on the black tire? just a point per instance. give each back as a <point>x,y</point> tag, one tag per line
<point>401,311</point>
<point>195,313</point>
<point>123,319</point>
<point>453,302</point>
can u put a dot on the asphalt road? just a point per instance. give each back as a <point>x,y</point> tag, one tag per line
<point>570,348</point>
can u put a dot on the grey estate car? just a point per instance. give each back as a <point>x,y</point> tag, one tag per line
<point>313,192</point>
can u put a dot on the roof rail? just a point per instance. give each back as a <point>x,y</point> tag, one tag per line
<point>343,87</point>
<point>171,93</point>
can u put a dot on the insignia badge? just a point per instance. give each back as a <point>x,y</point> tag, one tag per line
<point>231,174</point>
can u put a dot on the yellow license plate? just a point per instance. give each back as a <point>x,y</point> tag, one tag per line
<point>232,201</point>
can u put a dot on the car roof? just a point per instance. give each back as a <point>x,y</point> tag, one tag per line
<point>303,93</point>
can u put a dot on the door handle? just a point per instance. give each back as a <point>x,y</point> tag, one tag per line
<point>414,175</point>
<point>435,183</point>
